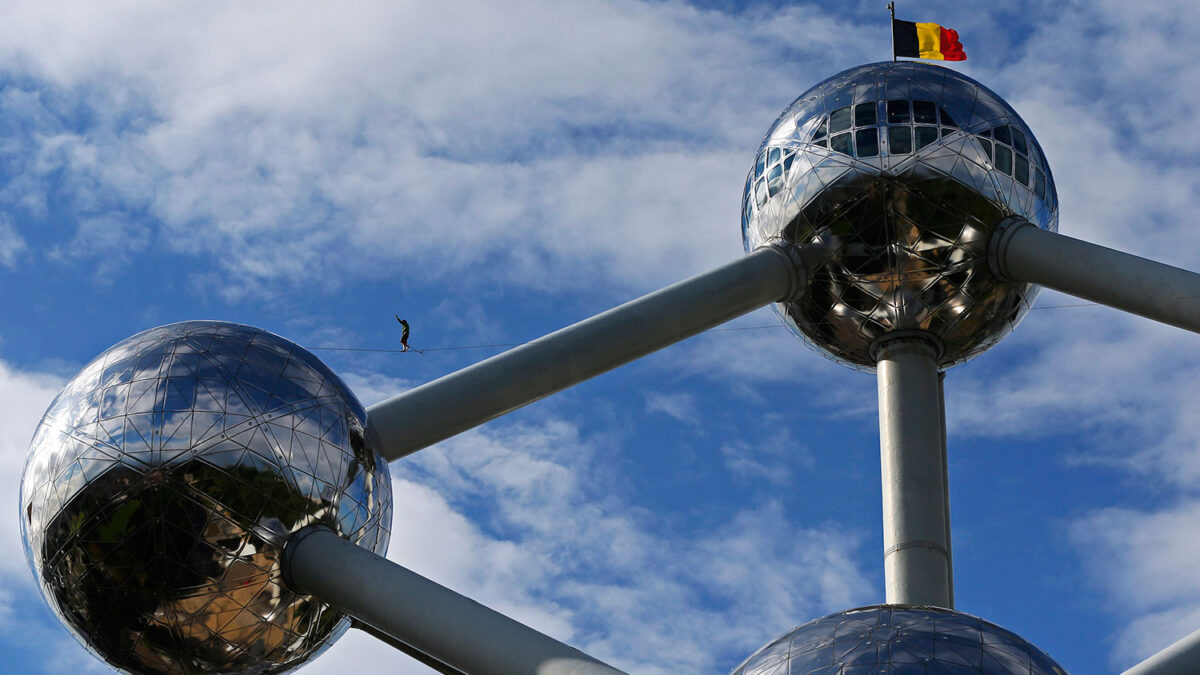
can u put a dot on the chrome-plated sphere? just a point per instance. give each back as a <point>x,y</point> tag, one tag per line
<point>163,481</point>
<point>891,177</point>
<point>899,639</point>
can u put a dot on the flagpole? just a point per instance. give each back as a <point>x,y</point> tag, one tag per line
<point>892,28</point>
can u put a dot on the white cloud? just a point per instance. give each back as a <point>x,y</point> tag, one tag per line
<point>1061,364</point>
<point>12,244</point>
<point>360,652</point>
<point>371,388</point>
<point>1145,562</point>
<point>286,142</point>
<point>756,350</point>
<point>772,458</point>
<point>24,397</point>
<point>110,241</point>
<point>678,406</point>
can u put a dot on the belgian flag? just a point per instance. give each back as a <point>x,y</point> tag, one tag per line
<point>926,41</point>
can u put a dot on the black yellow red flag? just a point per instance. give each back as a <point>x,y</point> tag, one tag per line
<point>926,41</point>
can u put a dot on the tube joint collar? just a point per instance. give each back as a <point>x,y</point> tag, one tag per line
<point>999,242</point>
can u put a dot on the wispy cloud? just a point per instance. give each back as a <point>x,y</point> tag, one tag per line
<point>772,459</point>
<point>24,397</point>
<point>678,406</point>
<point>1144,560</point>
<point>559,534</point>
<point>287,146</point>
<point>12,244</point>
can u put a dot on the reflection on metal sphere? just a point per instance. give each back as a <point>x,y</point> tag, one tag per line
<point>891,177</point>
<point>163,481</point>
<point>899,639</point>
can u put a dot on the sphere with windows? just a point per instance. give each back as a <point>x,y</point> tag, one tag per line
<point>891,177</point>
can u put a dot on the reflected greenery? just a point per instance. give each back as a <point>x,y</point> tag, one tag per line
<point>164,481</point>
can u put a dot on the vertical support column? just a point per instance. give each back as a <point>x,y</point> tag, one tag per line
<point>916,508</point>
<point>946,484</point>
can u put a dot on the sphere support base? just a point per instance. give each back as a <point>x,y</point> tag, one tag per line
<point>916,504</point>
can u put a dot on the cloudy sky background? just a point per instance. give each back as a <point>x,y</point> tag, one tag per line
<point>494,171</point>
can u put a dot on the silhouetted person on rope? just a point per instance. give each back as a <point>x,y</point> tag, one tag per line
<point>404,335</point>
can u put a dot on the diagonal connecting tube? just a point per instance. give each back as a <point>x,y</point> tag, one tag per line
<point>444,627</point>
<point>1020,251</point>
<point>459,401</point>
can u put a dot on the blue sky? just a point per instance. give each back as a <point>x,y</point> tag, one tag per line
<point>493,173</point>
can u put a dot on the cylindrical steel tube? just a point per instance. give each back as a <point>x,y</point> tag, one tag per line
<point>434,620</point>
<point>1021,252</point>
<point>916,509</point>
<point>459,401</point>
<point>1181,658</point>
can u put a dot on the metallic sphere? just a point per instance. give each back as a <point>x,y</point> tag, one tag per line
<point>899,639</point>
<point>163,482</point>
<point>891,177</point>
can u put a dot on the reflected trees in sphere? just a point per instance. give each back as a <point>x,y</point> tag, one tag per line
<point>163,482</point>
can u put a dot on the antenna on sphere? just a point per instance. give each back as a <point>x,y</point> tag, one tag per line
<point>891,8</point>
